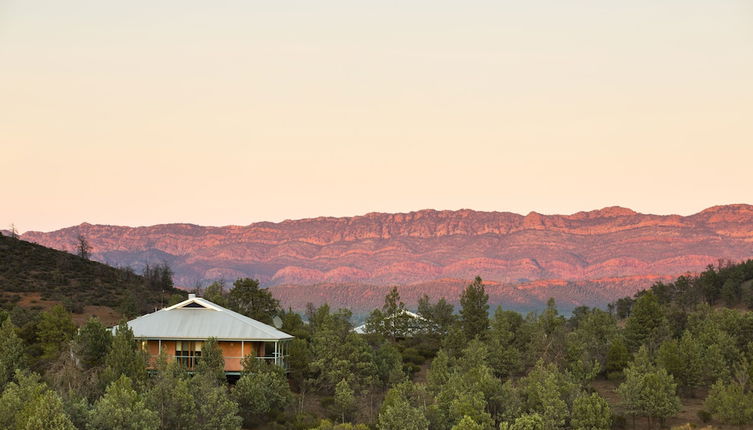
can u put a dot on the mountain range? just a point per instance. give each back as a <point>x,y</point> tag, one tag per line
<point>584,258</point>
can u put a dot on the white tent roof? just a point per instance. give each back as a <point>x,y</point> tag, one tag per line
<point>197,318</point>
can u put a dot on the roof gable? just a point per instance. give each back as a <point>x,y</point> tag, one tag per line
<point>196,302</point>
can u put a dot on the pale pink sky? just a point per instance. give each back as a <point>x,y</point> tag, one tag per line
<point>233,112</point>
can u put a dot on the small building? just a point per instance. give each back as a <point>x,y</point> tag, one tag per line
<point>409,325</point>
<point>181,330</point>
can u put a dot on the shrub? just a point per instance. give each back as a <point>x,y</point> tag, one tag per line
<point>304,421</point>
<point>704,416</point>
<point>619,422</point>
<point>615,376</point>
<point>411,355</point>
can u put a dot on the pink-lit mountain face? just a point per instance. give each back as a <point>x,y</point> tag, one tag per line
<point>584,258</point>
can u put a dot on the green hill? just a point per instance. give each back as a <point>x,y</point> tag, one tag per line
<point>31,270</point>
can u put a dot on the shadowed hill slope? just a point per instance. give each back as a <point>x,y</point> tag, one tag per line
<point>31,269</point>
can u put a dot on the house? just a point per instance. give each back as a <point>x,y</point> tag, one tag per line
<point>405,323</point>
<point>180,331</point>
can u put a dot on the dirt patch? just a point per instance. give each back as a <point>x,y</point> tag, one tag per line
<point>106,315</point>
<point>423,373</point>
<point>34,301</point>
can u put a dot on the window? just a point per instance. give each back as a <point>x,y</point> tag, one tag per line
<point>187,353</point>
<point>194,305</point>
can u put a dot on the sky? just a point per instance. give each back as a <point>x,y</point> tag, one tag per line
<point>233,112</point>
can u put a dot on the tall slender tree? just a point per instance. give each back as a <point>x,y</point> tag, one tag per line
<point>11,352</point>
<point>474,311</point>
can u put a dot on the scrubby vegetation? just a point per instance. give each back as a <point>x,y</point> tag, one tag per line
<point>27,268</point>
<point>634,365</point>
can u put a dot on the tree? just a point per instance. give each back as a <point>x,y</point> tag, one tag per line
<point>545,390</point>
<point>618,357</point>
<point>47,413</point>
<point>122,408</point>
<point>339,353</point>
<point>345,401</point>
<point>13,231</point>
<point>647,324</point>
<point>591,413</point>
<point>595,331</point>
<point>684,360</point>
<point>28,403</point>
<point>439,373</point>
<point>124,358</point>
<point>299,356</point>
<point>470,388</point>
<point>470,405</point>
<point>55,329</point>
<point>83,249</point>
<point>211,365</point>
<point>171,397</point>
<point>525,422</point>
<point>474,311</point>
<point>648,391</point>
<point>249,299</point>
<point>546,335</point>
<point>326,424</point>
<point>454,341</point>
<point>159,278</point>
<point>512,406</point>
<point>468,423</point>
<point>392,321</point>
<point>215,293</point>
<point>214,408</point>
<point>731,292</point>
<point>622,307</point>
<point>92,342</point>
<point>730,403</point>
<point>389,364</point>
<point>261,392</point>
<point>401,415</point>
<point>504,356</point>
<point>11,352</point>
<point>439,315</point>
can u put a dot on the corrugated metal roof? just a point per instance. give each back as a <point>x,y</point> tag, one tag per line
<point>202,320</point>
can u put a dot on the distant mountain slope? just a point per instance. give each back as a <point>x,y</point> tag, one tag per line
<point>527,296</point>
<point>31,269</point>
<point>426,246</point>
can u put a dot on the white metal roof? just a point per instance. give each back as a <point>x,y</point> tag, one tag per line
<point>197,318</point>
<point>361,329</point>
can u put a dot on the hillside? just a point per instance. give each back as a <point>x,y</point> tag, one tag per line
<point>31,273</point>
<point>427,248</point>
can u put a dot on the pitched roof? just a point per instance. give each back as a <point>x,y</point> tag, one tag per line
<point>361,329</point>
<point>197,318</point>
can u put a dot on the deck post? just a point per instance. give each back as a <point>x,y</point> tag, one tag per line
<point>277,355</point>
